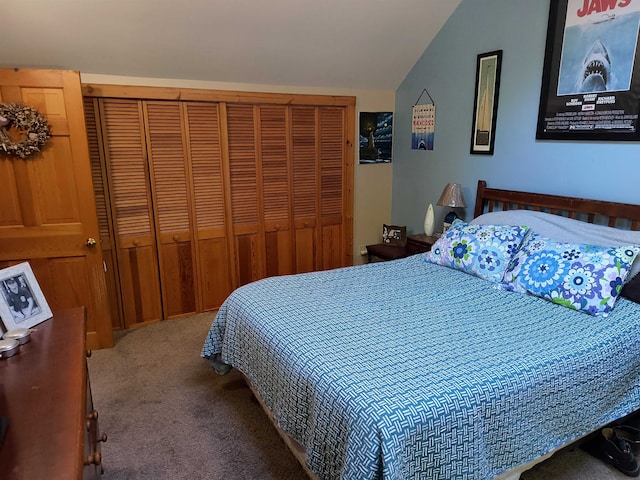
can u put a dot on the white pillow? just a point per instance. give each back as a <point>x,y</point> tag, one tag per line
<point>566,230</point>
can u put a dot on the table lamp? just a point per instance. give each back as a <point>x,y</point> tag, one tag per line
<point>451,197</point>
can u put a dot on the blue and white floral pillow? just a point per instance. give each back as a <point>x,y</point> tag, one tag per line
<point>481,250</point>
<point>579,276</point>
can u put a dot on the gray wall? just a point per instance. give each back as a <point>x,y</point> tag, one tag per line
<point>447,69</point>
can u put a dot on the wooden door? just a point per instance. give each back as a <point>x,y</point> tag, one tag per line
<point>260,181</point>
<point>103,207</point>
<point>305,162</point>
<point>124,143</point>
<point>171,193</point>
<point>245,193</point>
<point>48,207</point>
<point>332,169</point>
<point>210,206</point>
<point>274,160</point>
<point>320,194</point>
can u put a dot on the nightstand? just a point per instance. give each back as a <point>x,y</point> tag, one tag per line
<point>418,243</point>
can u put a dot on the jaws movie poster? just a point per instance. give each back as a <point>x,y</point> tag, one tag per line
<point>591,82</point>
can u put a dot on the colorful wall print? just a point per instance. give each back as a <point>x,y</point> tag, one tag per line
<point>423,126</point>
<point>376,137</point>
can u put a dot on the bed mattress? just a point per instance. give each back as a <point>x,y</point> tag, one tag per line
<point>410,370</point>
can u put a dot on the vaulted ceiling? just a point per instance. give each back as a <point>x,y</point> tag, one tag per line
<point>358,44</point>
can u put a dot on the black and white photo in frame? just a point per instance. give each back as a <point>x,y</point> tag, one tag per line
<point>22,304</point>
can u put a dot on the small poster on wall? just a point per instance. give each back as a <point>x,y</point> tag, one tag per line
<point>376,140</point>
<point>423,126</point>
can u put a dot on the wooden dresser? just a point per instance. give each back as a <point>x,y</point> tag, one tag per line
<point>45,393</point>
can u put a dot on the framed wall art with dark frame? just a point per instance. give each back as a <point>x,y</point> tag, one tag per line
<point>485,109</point>
<point>22,304</point>
<point>591,79</point>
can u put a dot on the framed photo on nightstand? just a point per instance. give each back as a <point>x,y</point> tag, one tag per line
<point>394,235</point>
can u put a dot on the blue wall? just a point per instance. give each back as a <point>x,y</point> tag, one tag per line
<point>447,69</point>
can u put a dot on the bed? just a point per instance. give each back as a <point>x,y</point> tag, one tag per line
<point>415,368</point>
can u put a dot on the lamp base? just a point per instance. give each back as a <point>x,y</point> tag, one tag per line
<point>448,220</point>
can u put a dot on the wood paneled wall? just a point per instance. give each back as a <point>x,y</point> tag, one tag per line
<point>205,191</point>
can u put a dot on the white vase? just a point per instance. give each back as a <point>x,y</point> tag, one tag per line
<point>428,221</point>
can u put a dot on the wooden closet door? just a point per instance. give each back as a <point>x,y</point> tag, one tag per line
<point>171,200</point>
<point>215,275</point>
<point>319,187</point>
<point>260,182</point>
<point>274,163</point>
<point>305,188</point>
<point>332,189</point>
<point>48,209</point>
<point>126,158</point>
<point>103,208</point>
<point>245,192</point>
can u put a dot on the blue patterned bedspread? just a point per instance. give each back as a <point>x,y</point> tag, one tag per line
<point>408,370</point>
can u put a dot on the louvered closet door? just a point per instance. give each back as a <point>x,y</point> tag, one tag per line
<point>171,200</point>
<point>319,164</point>
<point>273,162</point>
<point>103,208</point>
<point>305,163</point>
<point>125,152</point>
<point>332,176</point>
<point>243,179</point>
<point>214,273</point>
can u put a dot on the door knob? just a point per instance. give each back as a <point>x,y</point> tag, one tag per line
<point>91,242</point>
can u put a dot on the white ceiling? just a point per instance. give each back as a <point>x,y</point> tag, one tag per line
<point>359,44</point>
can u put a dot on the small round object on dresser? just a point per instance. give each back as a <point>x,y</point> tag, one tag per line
<point>8,348</point>
<point>22,335</point>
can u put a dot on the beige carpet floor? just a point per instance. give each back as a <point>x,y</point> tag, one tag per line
<point>169,416</point>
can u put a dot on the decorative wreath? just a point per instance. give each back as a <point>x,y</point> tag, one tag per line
<point>30,124</point>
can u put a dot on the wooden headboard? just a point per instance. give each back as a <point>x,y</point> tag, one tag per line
<point>613,214</point>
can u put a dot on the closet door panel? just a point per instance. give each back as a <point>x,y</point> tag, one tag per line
<point>304,189</point>
<point>103,208</point>
<point>332,166</point>
<point>125,152</point>
<point>275,187</point>
<point>279,260</point>
<point>214,273</point>
<point>243,179</point>
<point>305,251</point>
<point>247,258</point>
<point>178,277</point>
<point>215,283</point>
<point>138,268</point>
<point>171,201</point>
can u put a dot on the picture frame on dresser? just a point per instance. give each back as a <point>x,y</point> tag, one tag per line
<point>22,303</point>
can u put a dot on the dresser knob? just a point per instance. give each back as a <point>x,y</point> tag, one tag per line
<point>103,438</point>
<point>93,415</point>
